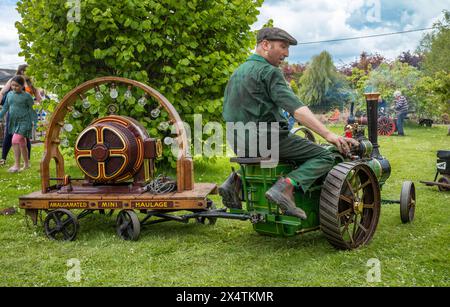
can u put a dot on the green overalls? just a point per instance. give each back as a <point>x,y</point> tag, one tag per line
<point>257,92</point>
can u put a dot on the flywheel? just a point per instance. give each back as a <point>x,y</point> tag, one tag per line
<point>111,149</point>
<point>350,205</point>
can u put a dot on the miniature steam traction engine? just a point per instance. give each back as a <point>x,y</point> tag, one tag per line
<point>117,157</point>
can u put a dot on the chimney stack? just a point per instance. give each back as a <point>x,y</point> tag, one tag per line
<point>372,121</point>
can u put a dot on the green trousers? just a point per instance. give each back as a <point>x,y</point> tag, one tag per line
<point>313,161</point>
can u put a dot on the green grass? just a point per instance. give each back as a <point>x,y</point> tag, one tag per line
<point>230,253</point>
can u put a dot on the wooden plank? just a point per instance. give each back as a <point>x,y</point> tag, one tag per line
<point>193,199</point>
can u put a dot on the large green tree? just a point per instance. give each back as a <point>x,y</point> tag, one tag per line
<point>321,85</point>
<point>186,49</point>
<point>435,47</point>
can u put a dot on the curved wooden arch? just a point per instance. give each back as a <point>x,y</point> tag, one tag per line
<point>185,169</point>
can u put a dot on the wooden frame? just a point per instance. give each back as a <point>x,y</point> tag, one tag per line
<point>185,167</point>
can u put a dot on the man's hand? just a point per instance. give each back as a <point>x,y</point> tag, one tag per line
<point>343,144</point>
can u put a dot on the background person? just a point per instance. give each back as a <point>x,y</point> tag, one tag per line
<point>19,104</point>
<point>401,109</point>
<point>7,139</point>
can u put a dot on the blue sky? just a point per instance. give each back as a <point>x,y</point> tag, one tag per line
<point>307,20</point>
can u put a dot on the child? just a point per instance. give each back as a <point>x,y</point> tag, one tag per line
<point>7,140</point>
<point>21,115</point>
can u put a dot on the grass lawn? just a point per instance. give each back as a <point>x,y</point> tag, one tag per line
<point>230,253</point>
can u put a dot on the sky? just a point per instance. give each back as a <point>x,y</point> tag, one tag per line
<point>307,20</point>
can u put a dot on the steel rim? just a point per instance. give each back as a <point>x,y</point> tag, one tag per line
<point>61,225</point>
<point>127,225</point>
<point>443,180</point>
<point>350,205</point>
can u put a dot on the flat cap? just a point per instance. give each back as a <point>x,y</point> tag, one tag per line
<point>275,34</point>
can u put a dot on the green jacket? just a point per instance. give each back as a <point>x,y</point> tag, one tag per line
<point>21,113</point>
<point>257,92</point>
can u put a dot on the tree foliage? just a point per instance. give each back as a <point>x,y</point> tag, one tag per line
<point>413,59</point>
<point>433,95</point>
<point>366,63</point>
<point>397,76</point>
<point>435,47</point>
<point>321,85</point>
<point>185,49</point>
<point>292,71</point>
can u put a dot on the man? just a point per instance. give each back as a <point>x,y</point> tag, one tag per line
<point>257,92</point>
<point>401,109</point>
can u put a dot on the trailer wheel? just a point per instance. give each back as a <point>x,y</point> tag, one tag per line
<point>61,225</point>
<point>207,220</point>
<point>407,202</point>
<point>128,226</point>
<point>350,205</point>
<point>443,180</point>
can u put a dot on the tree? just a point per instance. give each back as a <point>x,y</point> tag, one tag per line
<point>321,85</point>
<point>413,59</point>
<point>398,76</point>
<point>366,63</point>
<point>433,95</point>
<point>185,49</point>
<point>292,71</point>
<point>435,46</point>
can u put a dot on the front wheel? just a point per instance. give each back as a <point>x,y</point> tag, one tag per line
<point>407,202</point>
<point>350,205</point>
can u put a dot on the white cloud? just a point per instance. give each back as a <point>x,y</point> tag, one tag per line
<point>9,38</point>
<point>306,20</point>
<point>309,20</point>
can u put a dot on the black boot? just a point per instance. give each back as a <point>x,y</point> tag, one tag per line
<point>230,191</point>
<point>282,193</point>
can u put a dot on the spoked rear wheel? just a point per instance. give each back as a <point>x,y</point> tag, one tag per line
<point>350,205</point>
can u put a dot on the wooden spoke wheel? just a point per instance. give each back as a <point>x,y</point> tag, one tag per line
<point>61,225</point>
<point>407,202</point>
<point>128,226</point>
<point>446,181</point>
<point>350,205</point>
<point>386,126</point>
<point>304,133</point>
